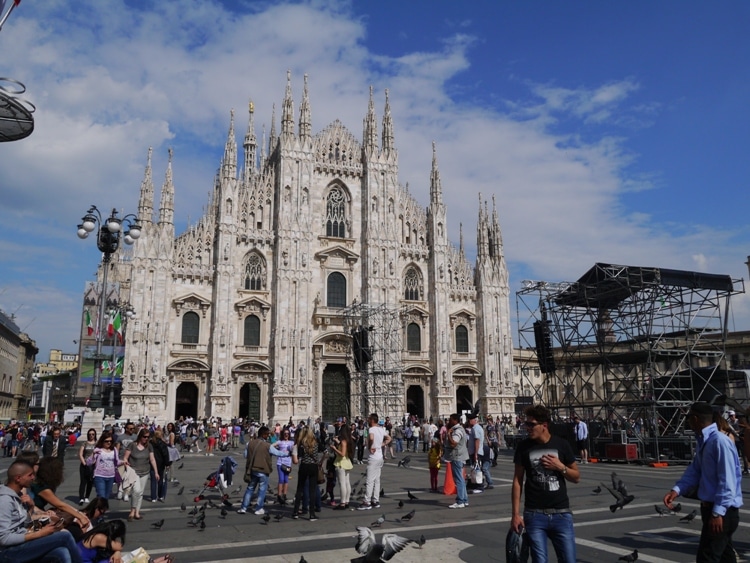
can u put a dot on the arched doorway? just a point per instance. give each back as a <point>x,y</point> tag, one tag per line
<point>415,401</point>
<point>186,401</point>
<point>464,399</point>
<point>250,401</point>
<point>336,392</point>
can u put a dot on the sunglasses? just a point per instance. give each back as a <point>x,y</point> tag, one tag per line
<point>531,424</point>
<point>107,442</point>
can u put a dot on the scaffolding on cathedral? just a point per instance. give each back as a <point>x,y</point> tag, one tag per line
<point>377,348</point>
<point>628,348</point>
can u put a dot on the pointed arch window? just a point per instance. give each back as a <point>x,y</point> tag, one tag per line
<point>462,339</point>
<point>336,294</point>
<point>191,326</point>
<point>252,331</point>
<point>336,214</point>
<point>412,285</point>
<point>413,338</point>
<point>254,274</point>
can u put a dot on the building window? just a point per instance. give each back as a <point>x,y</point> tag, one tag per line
<point>336,290</point>
<point>412,285</point>
<point>252,331</point>
<point>336,214</point>
<point>462,339</point>
<point>413,338</point>
<point>254,273</point>
<point>191,325</point>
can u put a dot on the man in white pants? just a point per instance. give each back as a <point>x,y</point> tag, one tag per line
<point>377,438</point>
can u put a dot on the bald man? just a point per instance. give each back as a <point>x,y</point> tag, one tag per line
<point>19,542</point>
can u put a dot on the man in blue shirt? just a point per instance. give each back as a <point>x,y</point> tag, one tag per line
<point>715,474</point>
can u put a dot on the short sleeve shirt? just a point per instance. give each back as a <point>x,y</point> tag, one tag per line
<point>378,435</point>
<point>139,459</point>
<point>477,433</point>
<point>545,488</point>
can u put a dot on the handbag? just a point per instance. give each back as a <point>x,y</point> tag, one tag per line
<point>174,454</point>
<point>321,475</point>
<point>476,474</point>
<point>286,469</point>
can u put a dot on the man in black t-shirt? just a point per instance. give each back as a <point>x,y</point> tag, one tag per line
<point>546,462</point>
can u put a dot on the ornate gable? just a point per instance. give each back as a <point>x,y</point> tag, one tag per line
<point>252,305</point>
<point>416,314</point>
<point>465,317</point>
<point>337,257</point>
<point>191,302</point>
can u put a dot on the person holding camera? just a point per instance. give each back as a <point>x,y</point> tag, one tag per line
<point>21,543</point>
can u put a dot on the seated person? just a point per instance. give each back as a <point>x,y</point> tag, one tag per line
<point>95,510</point>
<point>49,476</point>
<point>104,543</point>
<point>19,542</point>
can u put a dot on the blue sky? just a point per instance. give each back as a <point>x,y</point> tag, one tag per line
<point>606,131</point>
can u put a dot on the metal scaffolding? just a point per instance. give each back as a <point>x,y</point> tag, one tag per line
<point>628,344</point>
<point>377,385</point>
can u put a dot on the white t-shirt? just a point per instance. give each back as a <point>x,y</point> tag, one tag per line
<point>378,434</point>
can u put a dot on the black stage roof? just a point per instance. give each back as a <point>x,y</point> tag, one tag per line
<point>606,285</point>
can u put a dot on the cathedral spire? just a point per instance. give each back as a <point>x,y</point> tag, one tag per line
<point>387,126</point>
<point>166,206</point>
<point>497,236</point>
<point>272,134</point>
<point>482,241</point>
<point>305,125</point>
<point>229,161</point>
<point>146,200</point>
<point>436,189</point>
<point>250,144</point>
<point>287,111</point>
<point>370,133</point>
<point>461,239</point>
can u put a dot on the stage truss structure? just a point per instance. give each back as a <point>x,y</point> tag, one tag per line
<point>627,344</point>
<point>377,385</point>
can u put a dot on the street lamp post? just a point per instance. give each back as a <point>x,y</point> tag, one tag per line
<point>126,312</point>
<point>107,241</point>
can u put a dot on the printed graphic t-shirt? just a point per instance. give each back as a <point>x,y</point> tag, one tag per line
<point>545,488</point>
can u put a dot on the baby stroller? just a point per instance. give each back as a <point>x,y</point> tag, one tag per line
<point>219,480</point>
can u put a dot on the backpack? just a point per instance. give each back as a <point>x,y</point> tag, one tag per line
<point>516,547</point>
<point>408,432</point>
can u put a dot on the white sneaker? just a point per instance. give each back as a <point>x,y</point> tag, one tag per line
<point>259,512</point>
<point>126,498</point>
<point>119,495</point>
<point>86,500</point>
<point>457,505</point>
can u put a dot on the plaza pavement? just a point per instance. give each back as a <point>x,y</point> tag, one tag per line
<point>474,534</point>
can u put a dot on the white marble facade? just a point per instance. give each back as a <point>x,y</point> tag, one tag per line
<point>241,313</point>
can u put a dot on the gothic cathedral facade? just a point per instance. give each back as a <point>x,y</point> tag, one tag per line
<point>258,308</point>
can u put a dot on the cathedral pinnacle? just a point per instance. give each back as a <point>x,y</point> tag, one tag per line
<point>229,162</point>
<point>387,126</point>
<point>250,144</point>
<point>146,200</point>
<point>287,111</point>
<point>370,133</point>
<point>166,206</point>
<point>305,119</point>
<point>436,189</point>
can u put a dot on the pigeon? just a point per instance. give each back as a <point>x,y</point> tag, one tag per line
<point>181,465</point>
<point>404,462</point>
<point>324,497</point>
<point>382,492</point>
<point>613,476</point>
<point>194,511</point>
<point>630,557</point>
<point>378,522</point>
<point>279,516</point>
<point>203,525</point>
<point>183,507</point>
<point>237,490</point>
<point>223,512</point>
<point>407,517</point>
<point>203,507</point>
<point>661,511</point>
<point>266,518</point>
<point>373,552</point>
<point>622,488</point>
<point>302,559</point>
<point>676,507</point>
<point>421,541</point>
<point>226,503</point>
<point>400,504</point>
<point>689,517</point>
<point>621,499</point>
<point>411,496</point>
<point>158,524</point>
<point>182,490</point>
<point>597,490</point>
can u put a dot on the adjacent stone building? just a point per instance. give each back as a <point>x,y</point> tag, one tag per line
<point>248,312</point>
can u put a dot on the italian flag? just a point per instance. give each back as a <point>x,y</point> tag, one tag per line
<point>89,324</point>
<point>115,326</point>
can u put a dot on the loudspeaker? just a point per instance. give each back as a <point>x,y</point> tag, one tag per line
<point>543,341</point>
<point>361,348</point>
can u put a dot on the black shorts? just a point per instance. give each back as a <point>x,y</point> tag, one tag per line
<point>582,444</point>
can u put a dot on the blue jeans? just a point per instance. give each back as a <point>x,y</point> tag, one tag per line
<point>158,487</point>
<point>457,470</point>
<point>486,470</point>
<point>59,547</point>
<point>103,486</point>
<point>558,528</point>
<point>259,480</point>
<point>399,445</point>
